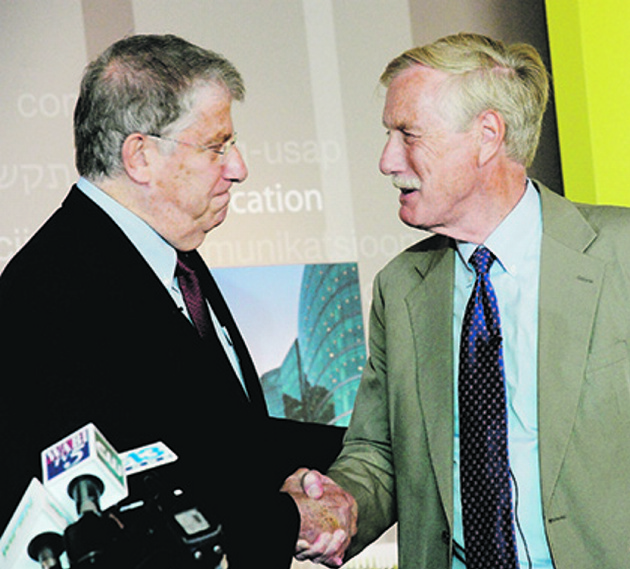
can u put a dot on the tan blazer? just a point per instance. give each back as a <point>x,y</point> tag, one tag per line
<point>398,456</point>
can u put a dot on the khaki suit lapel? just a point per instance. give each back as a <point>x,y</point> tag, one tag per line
<point>570,284</point>
<point>430,307</point>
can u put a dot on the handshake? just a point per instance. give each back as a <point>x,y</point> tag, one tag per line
<point>328,517</point>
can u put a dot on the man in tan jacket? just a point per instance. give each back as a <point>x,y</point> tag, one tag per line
<point>463,118</point>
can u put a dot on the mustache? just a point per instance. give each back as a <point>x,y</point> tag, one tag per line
<point>406,183</point>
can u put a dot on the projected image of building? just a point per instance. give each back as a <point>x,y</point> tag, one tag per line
<point>320,374</point>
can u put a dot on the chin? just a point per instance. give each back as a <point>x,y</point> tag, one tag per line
<point>414,222</point>
<point>191,240</point>
<point>407,217</point>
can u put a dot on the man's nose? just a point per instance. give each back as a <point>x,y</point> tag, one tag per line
<point>392,157</point>
<point>234,166</point>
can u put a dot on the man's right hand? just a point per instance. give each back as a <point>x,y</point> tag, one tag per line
<point>328,517</point>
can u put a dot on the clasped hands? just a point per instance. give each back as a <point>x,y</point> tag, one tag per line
<point>328,517</point>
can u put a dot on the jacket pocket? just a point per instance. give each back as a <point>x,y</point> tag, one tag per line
<point>607,384</point>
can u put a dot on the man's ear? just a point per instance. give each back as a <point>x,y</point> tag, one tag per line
<point>136,158</point>
<point>491,129</point>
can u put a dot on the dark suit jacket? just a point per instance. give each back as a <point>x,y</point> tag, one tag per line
<point>88,333</point>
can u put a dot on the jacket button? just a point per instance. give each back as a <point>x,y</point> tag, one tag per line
<point>446,537</point>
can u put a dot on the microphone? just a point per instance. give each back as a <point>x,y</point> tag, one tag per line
<point>85,452</point>
<point>47,549</point>
<point>37,513</point>
<point>159,525</point>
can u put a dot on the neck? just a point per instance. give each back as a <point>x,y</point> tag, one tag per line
<point>496,197</point>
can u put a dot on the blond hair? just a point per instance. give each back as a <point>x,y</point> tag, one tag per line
<point>487,74</point>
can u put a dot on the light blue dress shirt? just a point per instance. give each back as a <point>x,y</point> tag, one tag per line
<point>160,256</point>
<point>515,277</point>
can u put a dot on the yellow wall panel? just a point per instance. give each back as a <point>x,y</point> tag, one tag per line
<point>590,53</point>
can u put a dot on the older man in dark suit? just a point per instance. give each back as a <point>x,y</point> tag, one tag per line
<point>99,317</point>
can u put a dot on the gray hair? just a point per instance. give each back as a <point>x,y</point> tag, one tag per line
<point>143,83</point>
<point>487,75</point>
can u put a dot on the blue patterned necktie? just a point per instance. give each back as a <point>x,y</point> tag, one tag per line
<point>484,470</point>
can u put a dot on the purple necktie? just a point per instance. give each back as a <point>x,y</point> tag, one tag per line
<point>484,469</point>
<point>193,297</point>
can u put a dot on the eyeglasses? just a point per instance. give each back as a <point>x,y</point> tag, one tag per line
<point>222,148</point>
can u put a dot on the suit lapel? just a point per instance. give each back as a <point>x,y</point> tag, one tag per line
<point>430,307</point>
<point>221,310</point>
<point>250,375</point>
<point>567,310</point>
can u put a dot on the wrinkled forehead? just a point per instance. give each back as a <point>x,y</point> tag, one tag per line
<point>412,92</point>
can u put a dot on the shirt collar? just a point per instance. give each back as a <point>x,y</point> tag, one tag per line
<point>517,237</point>
<point>159,254</point>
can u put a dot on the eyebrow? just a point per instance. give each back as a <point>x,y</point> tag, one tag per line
<point>219,139</point>
<point>401,126</point>
<point>398,121</point>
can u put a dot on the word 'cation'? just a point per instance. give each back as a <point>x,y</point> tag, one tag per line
<point>276,200</point>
